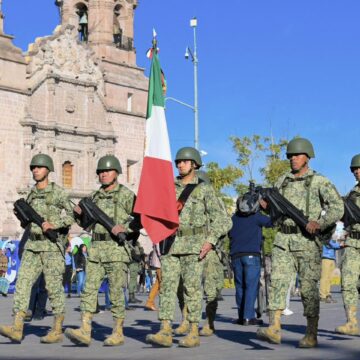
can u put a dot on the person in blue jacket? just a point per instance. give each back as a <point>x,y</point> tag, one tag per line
<point>245,251</point>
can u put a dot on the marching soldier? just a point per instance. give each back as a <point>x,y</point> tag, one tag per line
<point>296,251</point>
<point>202,222</point>
<point>40,254</point>
<point>106,256</point>
<point>350,270</point>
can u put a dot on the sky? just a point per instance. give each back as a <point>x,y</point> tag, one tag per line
<point>279,67</point>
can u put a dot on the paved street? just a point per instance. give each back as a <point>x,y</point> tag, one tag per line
<point>231,341</point>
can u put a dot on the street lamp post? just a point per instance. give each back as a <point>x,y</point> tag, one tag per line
<point>194,59</point>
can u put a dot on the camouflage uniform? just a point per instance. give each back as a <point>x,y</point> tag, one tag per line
<point>201,208</point>
<point>106,257</point>
<point>350,269</point>
<point>293,252</point>
<point>40,254</point>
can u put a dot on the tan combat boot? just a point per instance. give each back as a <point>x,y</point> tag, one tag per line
<point>351,327</point>
<point>272,333</point>
<point>15,331</point>
<point>163,337</point>
<point>117,336</point>
<point>208,329</point>
<point>192,339</point>
<point>310,338</point>
<point>184,326</point>
<point>81,336</point>
<point>55,335</point>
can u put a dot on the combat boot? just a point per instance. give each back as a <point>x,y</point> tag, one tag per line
<point>310,338</point>
<point>55,335</point>
<point>351,327</point>
<point>208,329</point>
<point>272,333</point>
<point>184,326</point>
<point>117,336</point>
<point>133,299</point>
<point>192,339</point>
<point>15,331</point>
<point>162,337</point>
<point>81,336</point>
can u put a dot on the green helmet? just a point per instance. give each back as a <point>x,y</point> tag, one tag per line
<point>109,162</point>
<point>355,162</point>
<point>189,153</point>
<point>203,176</point>
<point>42,160</point>
<point>300,146</point>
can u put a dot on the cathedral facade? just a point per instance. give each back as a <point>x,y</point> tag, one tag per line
<point>75,95</point>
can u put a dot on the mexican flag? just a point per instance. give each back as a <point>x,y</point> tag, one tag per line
<point>156,198</point>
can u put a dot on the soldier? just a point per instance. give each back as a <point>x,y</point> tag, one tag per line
<point>106,257</point>
<point>40,254</point>
<point>350,269</point>
<point>213,282</point>
<point>135,267</point>
<point>296,251</point>
<point>202,222</point>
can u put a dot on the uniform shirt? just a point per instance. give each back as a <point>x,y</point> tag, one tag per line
<point>53,204</point>
<point>118,204</point>
<point>324,206</point>
<point>356,227</point>
<point>202,210</point>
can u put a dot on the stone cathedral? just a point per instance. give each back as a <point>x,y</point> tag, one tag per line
<point>75,95</point>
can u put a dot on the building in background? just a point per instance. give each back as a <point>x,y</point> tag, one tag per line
<point>75,95</point>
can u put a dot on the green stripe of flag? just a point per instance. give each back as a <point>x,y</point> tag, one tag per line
<point>155,96</point>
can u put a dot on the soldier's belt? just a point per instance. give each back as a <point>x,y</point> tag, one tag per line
<point>289,229</point>
<point>355,235</point>
<point>102,237</point>
<point>190,231</point>
<point>37,237</point>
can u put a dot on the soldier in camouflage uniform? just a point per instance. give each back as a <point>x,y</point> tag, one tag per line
<point>350,270</point>
<point>40,254</point>
<point>296,251</point>
<point>202,222</point>
<point>106,257</point>
<point>213,282</point>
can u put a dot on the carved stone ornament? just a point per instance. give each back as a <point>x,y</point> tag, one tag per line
<point>64,55</point>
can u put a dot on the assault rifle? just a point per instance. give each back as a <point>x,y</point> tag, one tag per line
<point>351,211</point>
<point>26,214</point>
<point>281,208</point>
<point>92,214</point>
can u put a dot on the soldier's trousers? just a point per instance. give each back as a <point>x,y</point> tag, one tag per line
<point>213,276</point>
<point>285,264</point>
<point>350,272</point>
<point>52,265</point>
<point>190,269</point>
<point>117,276</point>
<point>133,276</point>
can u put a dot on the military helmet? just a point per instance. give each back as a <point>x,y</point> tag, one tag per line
<point>355,162</point>
<point>189,153</point>
<point>109,162</point>
<point>42,160</point>
<point>300,146</point>
<point>203,176</point>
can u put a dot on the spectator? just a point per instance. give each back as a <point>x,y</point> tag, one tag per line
<point>4,283</point>
<point>68,269</point>
<point>80,266</point>
<point>154,261</point>
<point>245,252</point>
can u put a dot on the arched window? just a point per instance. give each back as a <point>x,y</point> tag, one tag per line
<point>67,174</point>
<point>82,12</point>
